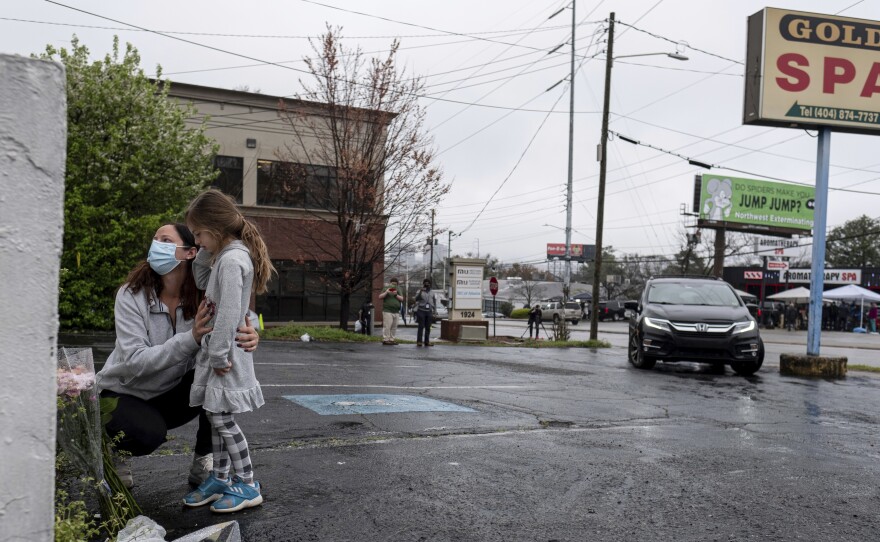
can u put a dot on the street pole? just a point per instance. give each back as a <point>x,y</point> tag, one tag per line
<point>448,256</point>
<point>720,241</point>
<point>603,163</point>
<point>566,287</point>
<point>431,240</point>
<point>817,273</point>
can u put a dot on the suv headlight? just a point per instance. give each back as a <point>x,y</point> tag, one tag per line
<point>657,323</point>
<point>742,327</point>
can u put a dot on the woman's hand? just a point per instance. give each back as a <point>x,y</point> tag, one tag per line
<point>247,337</point>
<point>200,326</point>
<point>224,370</point>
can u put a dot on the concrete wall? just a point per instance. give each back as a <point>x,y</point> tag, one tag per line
<point>33,133</point>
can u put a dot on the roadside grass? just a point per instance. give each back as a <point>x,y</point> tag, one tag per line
<point>859,367</point>
<point>294,332</point>
<point>325,334</point>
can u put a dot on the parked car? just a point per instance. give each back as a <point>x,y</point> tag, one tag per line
<point>489,315</point>
<point>693,319</point>
<point>557,310</point>
<point>612,310</point>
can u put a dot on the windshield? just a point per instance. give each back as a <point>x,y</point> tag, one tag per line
<point>715,294</point>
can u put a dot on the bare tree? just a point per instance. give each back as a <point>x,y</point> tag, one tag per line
<point>529,278</point>
<point>531,290</point>
<point>360,163</point>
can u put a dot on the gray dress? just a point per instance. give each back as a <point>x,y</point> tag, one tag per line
<point>228,286</point>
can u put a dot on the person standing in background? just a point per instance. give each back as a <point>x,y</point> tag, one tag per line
<point>365,316</point>
<point>391,302</point>
<point>424,314</point>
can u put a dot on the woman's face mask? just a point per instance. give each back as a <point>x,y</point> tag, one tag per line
<point>162,257</point>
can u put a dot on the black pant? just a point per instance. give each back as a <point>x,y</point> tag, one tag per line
<point>536,324</point>
<point>145,424</point>
<point>423,319</point>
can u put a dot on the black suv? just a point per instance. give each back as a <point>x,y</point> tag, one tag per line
<point>611,310</point>
<point>693,319</point>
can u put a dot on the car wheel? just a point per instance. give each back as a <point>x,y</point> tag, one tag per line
<point>615,317</point>
<point>748,368</point>
<point>555,318</point>
<point>575,322</point>
<point>637,358</point>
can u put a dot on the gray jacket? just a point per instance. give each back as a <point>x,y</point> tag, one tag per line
<point>150,356</point>
<point>228,285</point>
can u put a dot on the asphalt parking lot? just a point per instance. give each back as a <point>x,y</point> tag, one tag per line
<point>539,444</point>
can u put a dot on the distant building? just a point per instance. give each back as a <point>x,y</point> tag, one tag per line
<point>251,135</point>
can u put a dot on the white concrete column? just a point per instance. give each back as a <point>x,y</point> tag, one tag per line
<point>33,139</point>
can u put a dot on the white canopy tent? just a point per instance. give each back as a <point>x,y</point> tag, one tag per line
<point>796,295</point>
<point>745,296</point>
<point>851,292</point>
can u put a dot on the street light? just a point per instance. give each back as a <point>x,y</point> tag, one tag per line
<point>603,162</point>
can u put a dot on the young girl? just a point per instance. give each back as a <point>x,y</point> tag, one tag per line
<point>232,259</point>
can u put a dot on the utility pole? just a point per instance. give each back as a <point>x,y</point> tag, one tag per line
<point>431,240</point>
<point>720,237</point>
<point>448,255</point>
<point>603,163</point>
<point>566,286</point>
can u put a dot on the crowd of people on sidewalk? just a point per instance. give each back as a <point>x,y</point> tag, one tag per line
<point>836,316</point>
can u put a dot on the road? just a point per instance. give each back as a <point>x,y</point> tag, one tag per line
<point>860,349</point>
<point>539,444</point>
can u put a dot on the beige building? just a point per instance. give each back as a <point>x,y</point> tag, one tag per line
<point>258,156</point>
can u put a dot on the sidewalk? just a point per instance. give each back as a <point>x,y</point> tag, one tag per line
<point>839,339</point>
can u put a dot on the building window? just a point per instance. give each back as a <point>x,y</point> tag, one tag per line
<point>231,176</point>
<point>301,292</point>
<point>287,184</point>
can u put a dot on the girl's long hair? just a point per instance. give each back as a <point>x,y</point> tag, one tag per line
<point>218,214</point>
<point>142,277</point>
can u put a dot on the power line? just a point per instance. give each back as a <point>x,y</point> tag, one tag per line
<point>513,32</point>
<point>688,45</point>
<point>762,151</point>
<point>387,19</point>
<point>712,166</point>
<point>276,64</point>
<point>515,166</point>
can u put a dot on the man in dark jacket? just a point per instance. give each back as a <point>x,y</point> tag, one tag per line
<point>791,315</point>
<point>535,315</point>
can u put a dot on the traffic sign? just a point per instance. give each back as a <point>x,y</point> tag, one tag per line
<point>493,286</point>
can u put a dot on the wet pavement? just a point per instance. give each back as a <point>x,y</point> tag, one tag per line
<point>547,444</point>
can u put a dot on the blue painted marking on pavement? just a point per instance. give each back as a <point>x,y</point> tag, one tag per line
<point>368,403</point>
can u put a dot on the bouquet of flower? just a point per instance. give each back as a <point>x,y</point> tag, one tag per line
<point>81,435</point>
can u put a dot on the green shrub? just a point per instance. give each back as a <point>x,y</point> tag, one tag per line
<point>73,523</point>
<point>519,313</point>
<point>505,308</point>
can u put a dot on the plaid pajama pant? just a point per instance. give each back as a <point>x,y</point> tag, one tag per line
<point>229,444</point>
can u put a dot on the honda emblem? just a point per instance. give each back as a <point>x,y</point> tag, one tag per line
<point>702,328</point>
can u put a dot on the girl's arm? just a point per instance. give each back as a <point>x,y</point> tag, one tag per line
<point>137,354</point>
<point>202,268</point>
<point>230,282</point>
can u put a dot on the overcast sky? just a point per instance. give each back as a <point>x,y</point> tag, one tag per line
<point>493,54</point>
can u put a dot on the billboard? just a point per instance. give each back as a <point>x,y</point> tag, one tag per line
<point>751,205</point>
<point>579,253</point>
<point>805,70</point>
<point>774,246</point>
<point>832,276</point>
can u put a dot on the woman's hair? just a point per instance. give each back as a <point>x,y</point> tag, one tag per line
<point>216,213</point>
<point>142,277</point>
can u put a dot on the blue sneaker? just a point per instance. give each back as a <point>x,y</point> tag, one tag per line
<point>208,491</point>
<point>238,496</point>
